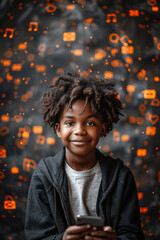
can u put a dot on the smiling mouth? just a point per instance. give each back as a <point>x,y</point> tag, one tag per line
<point>79,142</point>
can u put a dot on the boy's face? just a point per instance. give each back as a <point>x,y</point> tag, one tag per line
<point>80,133</point>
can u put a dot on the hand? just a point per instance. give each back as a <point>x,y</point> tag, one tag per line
<point>106,233</point>
<point>76,232</point>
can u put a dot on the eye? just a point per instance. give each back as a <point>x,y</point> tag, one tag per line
<point>90,123</point>
<point>69,123</point>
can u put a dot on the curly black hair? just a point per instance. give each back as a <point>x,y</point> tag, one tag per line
<point>66,90</point>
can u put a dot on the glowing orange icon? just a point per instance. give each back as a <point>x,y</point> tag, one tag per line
<point>2,152</point>
<point>133,12</point>
<point>4,118</point>
<point>141,152</point>
<point>69,36</point>
<point>140,195</point>
<point>9,77</point>
<point>51,141</point>
<point>40,68</point>
<point>100,54</point>
<point>22,46</point>
<point>151,131</point>
<point>10,31</point>
<point>9,202</point>
<point>33,26</point>
<point>155,102</point>
<point>149,93</point>
<point>125,138</point>
<point>108,75</point>
<point>14,170</point>
<point>28,164</point>
<point>16,67</point>
<point>4,131</point>
<point>127,49</point>
<point>51,8</point>
<point>152,2</point>
<point>40,139</point>
<point>6,62</point>
<point>111,17</point>
<point>37,129</point>
<point>143,209</point>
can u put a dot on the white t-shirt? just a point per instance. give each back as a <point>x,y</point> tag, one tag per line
<point>83,190</point>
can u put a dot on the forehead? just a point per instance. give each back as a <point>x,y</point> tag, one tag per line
<point>77,109</point>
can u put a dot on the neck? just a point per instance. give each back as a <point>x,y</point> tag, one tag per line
<point>81,163</point>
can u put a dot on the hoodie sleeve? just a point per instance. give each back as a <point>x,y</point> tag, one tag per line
<point>129,226</point>
<point>39,223</point>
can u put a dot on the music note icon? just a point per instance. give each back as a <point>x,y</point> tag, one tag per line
<point>8,30</point>
<point>31,24</point>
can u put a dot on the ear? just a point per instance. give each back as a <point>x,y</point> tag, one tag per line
<point>57,127</point>
<point>103,130</point>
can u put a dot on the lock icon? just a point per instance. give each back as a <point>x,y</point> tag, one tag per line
<point>9,202</point>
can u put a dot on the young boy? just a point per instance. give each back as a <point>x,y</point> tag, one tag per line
<point>80,179</point>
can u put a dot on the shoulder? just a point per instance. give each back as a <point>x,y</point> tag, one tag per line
<point>50,165</point>
<point>113,167</point>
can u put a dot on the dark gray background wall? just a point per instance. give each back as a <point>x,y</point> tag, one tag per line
<point>116,40</point>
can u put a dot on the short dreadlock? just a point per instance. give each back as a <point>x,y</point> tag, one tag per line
<point>66,90</point>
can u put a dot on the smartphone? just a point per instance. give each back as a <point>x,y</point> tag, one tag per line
<point>92,220</point>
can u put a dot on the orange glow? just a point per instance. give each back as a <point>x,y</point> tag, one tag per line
<point>88,21</point>
<point>15,170</point>
<point>99,54</point>
<point>151,131</point>
<point>16,67</point>
<point>40,139</point>
<point>4,118</point>
<point>143,209</point>
<point>69,36</point>
<point>125,138</point>
<point>127,49</point>
<point>149,93</point>
<point>33,26</point>
<point>10,31</point>
<point>130,88</point>
<point>77,52</point>
<point>141,152</point>
<point>28,164</point>
<point>40,68</point>
<point>111,17</point>
<point>51,8</point>
<point>37,129</point>
<point>6,62</point>
<point>18,118</point>
<point>70,7</point>
<point>114,37</point>
<point>116,136</point>
<point>108,75</point>
<point>3,152</point>
<point>9,202</point>
<point>50,141</point>
<point>22,46</point>
<point>4,131</point>
<point>133,12</point>
<point>140,195</point>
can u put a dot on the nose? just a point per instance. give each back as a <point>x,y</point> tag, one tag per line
<point>79,130</point>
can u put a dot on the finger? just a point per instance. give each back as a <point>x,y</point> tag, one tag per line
<point>103,234</point>
<point>78,229</point>
<point>108,228</point>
